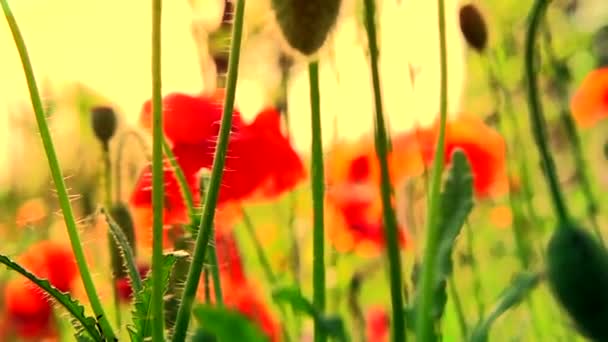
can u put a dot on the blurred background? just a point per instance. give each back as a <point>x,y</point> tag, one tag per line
<point>91,52</point>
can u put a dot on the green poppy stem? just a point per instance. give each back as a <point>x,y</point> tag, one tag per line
<point>158,286</point>
<point>262,258</point>
<point>391,235</point>
<point>215,275</point>
<point>211,196</point>
<point>477,287</point>
<point>318,196</point>
<point>424,321</point>
<point>181,180</point>
<point>537,116</point>
<point>455,296</point>
<point>561,76</point>
<point>55,168</point>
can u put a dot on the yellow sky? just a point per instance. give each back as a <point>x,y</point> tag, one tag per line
<point>105,44</point>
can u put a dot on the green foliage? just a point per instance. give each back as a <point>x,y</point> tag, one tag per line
<point>227,326</point>
<point>513,295</point>
<point>333,326</point>
<point>456,203</point>
<point>578,276</point>
<point>141,329</point>
<point>82,323</point>
<point>123,245</point>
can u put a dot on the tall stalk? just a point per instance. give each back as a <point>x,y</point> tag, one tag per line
<point>539,126</point>
<point>424,322</point>
<point>211,196</point>
<point>318,193</point>
<point>389,219</point>
<point>55,168</point>
<point>158,322</point>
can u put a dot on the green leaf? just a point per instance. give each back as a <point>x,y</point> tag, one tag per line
<point>510,297</point>
<point>294,297</point>
<point>456,203</point>
<point>125,251</point>
<point>82,322</point>
<point>141,329</point>
<point>332,325</point>
<point>227,325</point>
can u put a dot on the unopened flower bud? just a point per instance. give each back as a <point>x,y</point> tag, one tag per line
<point>306,23</point>
<point>473,27</point>
<point>104,123</point>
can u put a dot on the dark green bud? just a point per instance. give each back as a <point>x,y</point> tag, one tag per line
<point>120,213</point>
<point>473,27</point>
<point>306,23</point>
<point>578,276</point>
<point>103,120</point>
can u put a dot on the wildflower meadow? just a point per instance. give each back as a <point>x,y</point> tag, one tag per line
<point>303,170</point>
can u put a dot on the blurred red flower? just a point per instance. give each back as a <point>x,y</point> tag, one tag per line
<point>238,291</point>
<point>590,101</point>
<point>260,162</point>
<point>377,327</point>
<point>27,309</point>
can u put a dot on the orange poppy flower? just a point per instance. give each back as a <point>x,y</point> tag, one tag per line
<point>484,147</point>
<point>590,101</point>
<point>354,207</point>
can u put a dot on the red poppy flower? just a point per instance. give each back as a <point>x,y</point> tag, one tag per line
<point>483,146</point>
<point>26,307</point>
<point>229,257</point>
<point>53,261</point>
<point>260,162</point>
<point>28,312</point>
<point>246,301</point>
<point>590,101</point>
<point>238,291</point>
<point>377,327</point>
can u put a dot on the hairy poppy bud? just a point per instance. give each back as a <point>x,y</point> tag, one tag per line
<point>306,23</point>
<point>578,276</point>
<point>120,213</point>
<point>104,123</point>
<point>473,27</point>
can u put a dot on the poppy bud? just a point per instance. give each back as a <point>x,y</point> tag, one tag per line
<point>578,276</point>
<point>306,23</point>
<point>120,213</point>
<point>104,123</point>
<point>473,27</point>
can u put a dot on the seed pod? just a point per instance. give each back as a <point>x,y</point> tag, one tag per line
<point>306,23</point>
<point>103,120</point>
<point>473,27</point>
<point>578,276</point>
<point>120,213</point>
